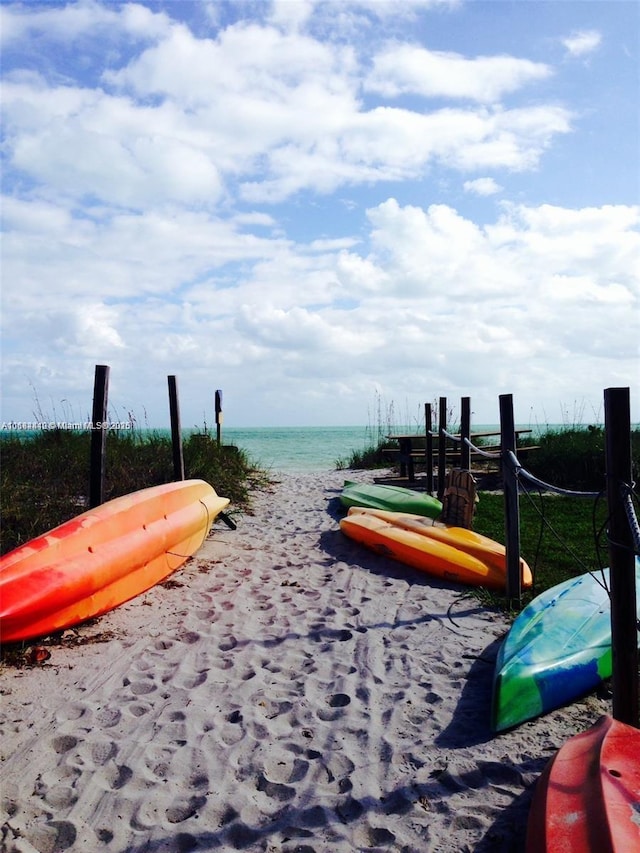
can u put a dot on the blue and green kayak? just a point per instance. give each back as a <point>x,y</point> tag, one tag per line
<point>558,649</point>
<point>393,498</point>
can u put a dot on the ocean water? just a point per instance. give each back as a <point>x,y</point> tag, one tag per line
<point>299,449</point>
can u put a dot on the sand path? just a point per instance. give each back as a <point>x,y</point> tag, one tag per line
<point>285,691</point>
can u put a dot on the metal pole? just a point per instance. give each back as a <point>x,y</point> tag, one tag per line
<point>176,432</point>
<point>624,631</point>
<point>98,450</point>
<point>511,505</point>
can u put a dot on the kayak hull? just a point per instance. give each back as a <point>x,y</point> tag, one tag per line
<point>103,557</point>
<point>558,648</point>
<point>588,797</point>
<point>394,498</point>
<point>431,548</point>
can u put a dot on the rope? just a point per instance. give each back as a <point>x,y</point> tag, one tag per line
<point>522,472</point>
<point>206,531</point>
<point>458,439</point>
<point>487,453</point>
<point>632,518</point>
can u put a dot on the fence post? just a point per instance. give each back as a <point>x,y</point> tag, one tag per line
<point>465,432</point>
<point>176,432</point>
<point>219,416</point>
<point>98,450</point>
<point>511,505</point>
<point>442,446</point>
<point>624,645</point>
<point>428,445</point>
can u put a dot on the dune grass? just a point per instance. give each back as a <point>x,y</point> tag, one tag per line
<point>44,478</point>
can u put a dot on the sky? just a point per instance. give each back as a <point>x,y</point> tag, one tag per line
<point>320,208</point>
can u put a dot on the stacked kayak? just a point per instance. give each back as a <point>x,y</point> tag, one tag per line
<point>588,797</point>
<point>558,648</point>
<point>102,558</point>
<point>450,553</point>
<point>393,498</point>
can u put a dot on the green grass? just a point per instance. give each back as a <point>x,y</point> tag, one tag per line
<point>560,537</point>
<point>44,480</point>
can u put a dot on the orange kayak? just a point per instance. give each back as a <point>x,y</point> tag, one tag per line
<point>588,797</point>
<point>451,553</point>
<point>102,558</point>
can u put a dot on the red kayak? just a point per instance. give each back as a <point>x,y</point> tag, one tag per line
<point>588,797</point>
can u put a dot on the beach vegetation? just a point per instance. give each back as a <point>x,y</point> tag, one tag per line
<point>44,477</point>
<point>560,536</point>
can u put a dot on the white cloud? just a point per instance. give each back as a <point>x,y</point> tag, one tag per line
<point>275,112</point>
<point>429,301</point>
<point>290,15</point>
<point>137,231</point>
<point>582,42</point>
<point>76,20</point>
<point>482,186</point>
<point>403,69</point>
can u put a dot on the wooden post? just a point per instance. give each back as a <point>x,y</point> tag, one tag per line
<point>428,444</point>
<point>624,640</point>
<point>176,432</point>
<point>465,432</point>
<point>442,446</point>
<point>219,416</point>
<point>98,435</point>
<point>511,505</point>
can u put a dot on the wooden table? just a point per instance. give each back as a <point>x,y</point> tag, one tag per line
<point>405,453</point>
<point>409,443</point>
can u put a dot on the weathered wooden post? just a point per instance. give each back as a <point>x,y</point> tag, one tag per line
<point>624,630</point>
<point>465,432</point>
<point>428,445</point>
<point>511,505</point>
<point>98,450</point>
<point>219,417</point>
<point>442,446</point>
<point>176,432</point>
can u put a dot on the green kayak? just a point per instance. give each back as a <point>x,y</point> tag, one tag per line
<point>393,498</point>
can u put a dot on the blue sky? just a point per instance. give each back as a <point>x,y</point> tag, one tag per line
<point>317,205</point>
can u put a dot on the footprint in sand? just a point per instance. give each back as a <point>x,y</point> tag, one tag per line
<point>183,809</point>
<point>335,707</point>
<point>101,751</point>
<point>64,743</point>
<point>108,717</point>
<point>53,836</point>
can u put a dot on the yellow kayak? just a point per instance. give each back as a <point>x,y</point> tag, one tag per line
<point>451,553</point>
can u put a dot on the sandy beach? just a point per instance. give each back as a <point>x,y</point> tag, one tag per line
<point>286,690</point>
